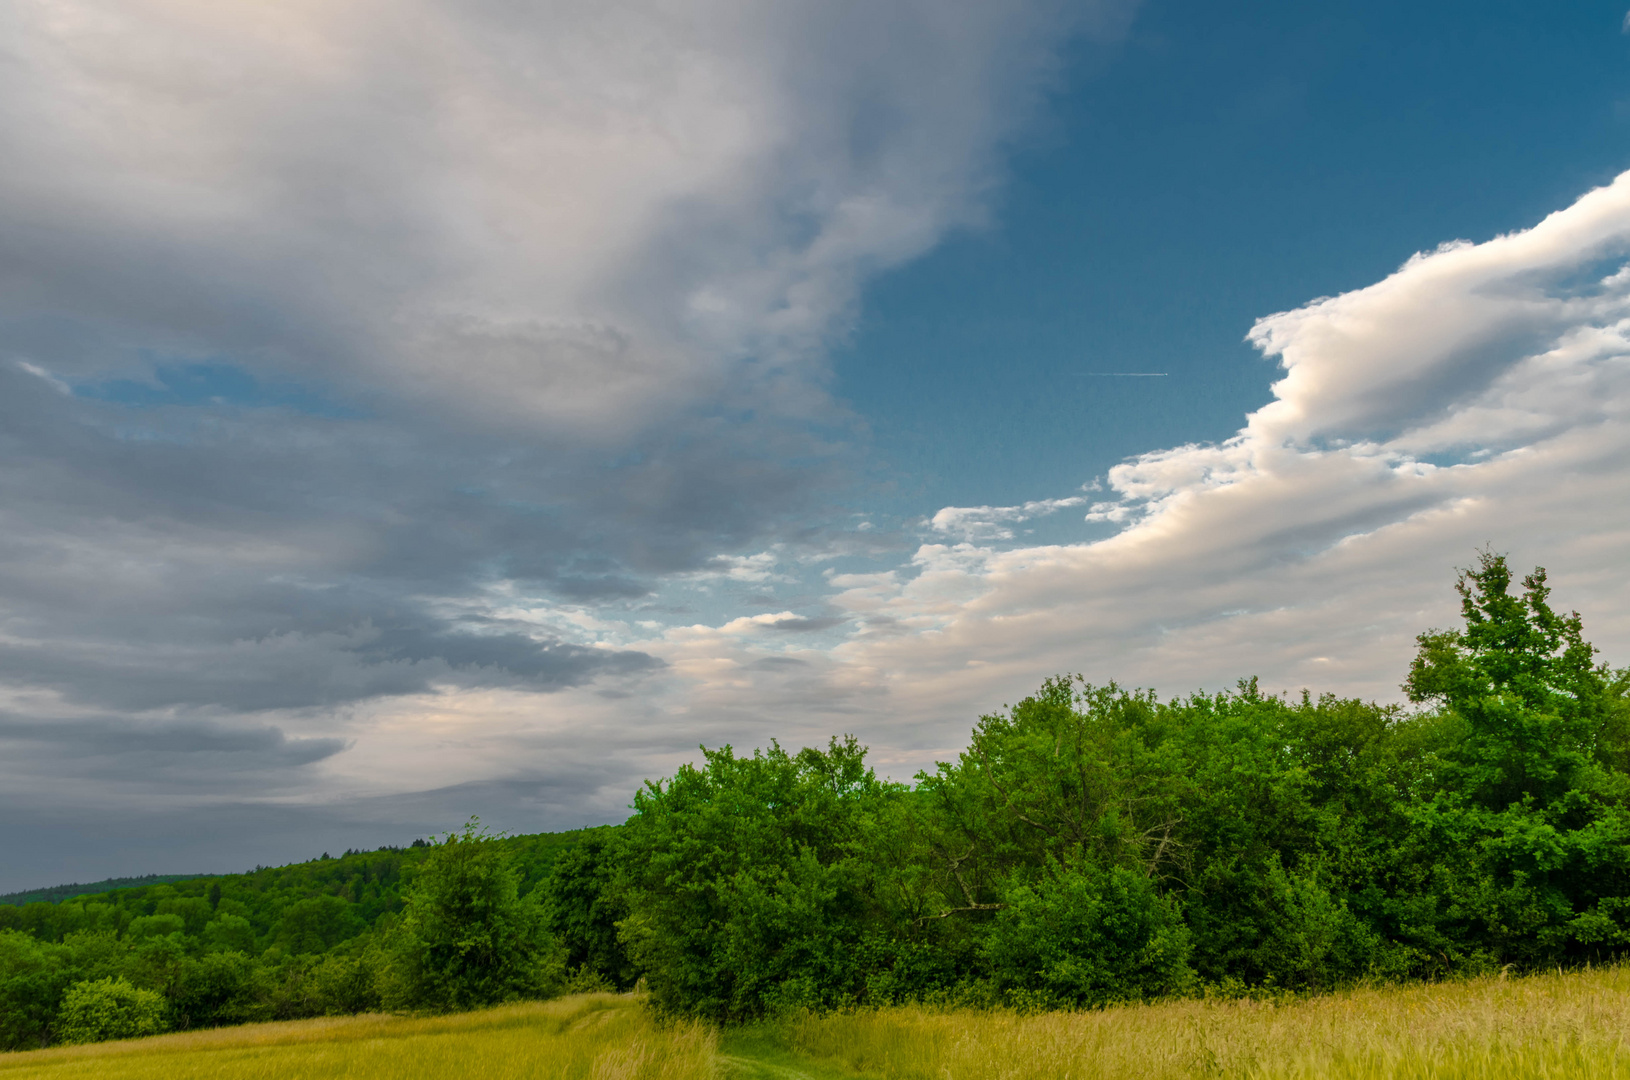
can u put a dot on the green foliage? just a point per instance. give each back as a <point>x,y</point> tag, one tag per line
<point>1527,829</point>
<point>277,943</point>
<point>1091,845</point>
<point>583,900</point>
<point>109,1008</point>
<point>316,924</point>
<point>1524,680</point>
<point>750,885</point>
<point>1086,935</point>
<point>466,938</point>
<point>1095,844</point>
<point>58,893</point>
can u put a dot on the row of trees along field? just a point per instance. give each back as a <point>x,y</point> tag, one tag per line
<point>1091,845</point>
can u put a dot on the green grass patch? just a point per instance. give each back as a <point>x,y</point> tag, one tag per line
<point>764,1051</point>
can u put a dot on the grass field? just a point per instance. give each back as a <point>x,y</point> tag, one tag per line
<point>593,1037</point>
<point>1557,1027</point>
<point>1549,1027</point>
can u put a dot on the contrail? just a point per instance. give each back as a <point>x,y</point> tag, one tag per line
<point>1122,374</point>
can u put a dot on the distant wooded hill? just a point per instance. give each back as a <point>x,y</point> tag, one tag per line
<point>56,894</point>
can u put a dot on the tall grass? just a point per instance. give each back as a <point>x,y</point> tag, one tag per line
<point>590,1037</point>
<point>1572,1026</point>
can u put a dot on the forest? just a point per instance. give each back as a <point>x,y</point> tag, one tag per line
<point>1092,845</point>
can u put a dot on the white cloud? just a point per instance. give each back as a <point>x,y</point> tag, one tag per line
<point>1311,547</point>
<point>760,567</point>
<point>991,522</point>
<point>1480,394</point>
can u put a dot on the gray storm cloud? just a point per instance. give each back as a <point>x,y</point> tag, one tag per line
<point>483,314</point>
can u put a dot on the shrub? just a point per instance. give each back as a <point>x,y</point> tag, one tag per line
<point>1083,936</point>
<point>109,1008</point>
<point>467,938</point>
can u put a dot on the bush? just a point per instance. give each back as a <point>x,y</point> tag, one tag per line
<point>109,1008</point>
<point>467,938</point>
<point>219,988</point>
<point>1088,936</point>
<point>751,892</point>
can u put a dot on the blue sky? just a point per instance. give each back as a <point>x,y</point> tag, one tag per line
<point>1219,163</point>
<point>476,411</point>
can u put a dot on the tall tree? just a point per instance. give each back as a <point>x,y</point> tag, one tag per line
<point>466,938</point>
<point>1527,835</point>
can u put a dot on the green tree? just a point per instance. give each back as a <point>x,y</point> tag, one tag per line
<point>1256,817</point>
<point>317,923</point>
<point>1524,679</point>
<point>1527,833</point>
<point>229,933</point>
<point>466,938</point>
<point>584,898</point>
<point>752,885</point>
<point>33,976</point>
<point>1086,935</point>
<point>219,988</point>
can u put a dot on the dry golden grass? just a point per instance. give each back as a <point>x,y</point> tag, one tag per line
<point>1559,1027</point>
<point>589,1037</point>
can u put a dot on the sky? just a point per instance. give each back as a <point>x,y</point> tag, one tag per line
<point>421,409</point>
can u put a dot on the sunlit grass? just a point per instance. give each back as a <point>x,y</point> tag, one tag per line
<point>1572,1026</point>
<point>1560,1027</point>
<point>593,1036</point>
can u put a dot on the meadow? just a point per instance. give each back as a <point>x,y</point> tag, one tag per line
<point>587,1037</point>
<point>1561,1026</point>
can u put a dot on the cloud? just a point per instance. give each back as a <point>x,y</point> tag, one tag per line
<point>1480,394</point>
<point>757,568</point>
<point>991,522</point>
<point>578,217</point>
<point>335,313</point>
<point>371,371</point>
<point>100,738</point>
<point>364,367</point>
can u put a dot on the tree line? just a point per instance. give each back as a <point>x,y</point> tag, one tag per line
<point>319,938</point>
<point>1091,845</point>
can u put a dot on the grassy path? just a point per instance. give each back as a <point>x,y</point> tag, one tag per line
<point>761,1053</point>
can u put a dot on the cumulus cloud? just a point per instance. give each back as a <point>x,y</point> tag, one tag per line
<point>1477,395</point>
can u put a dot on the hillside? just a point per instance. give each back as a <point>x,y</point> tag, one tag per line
<point>276,943</point>
<point>305,907</point>
<point>58,893</point>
